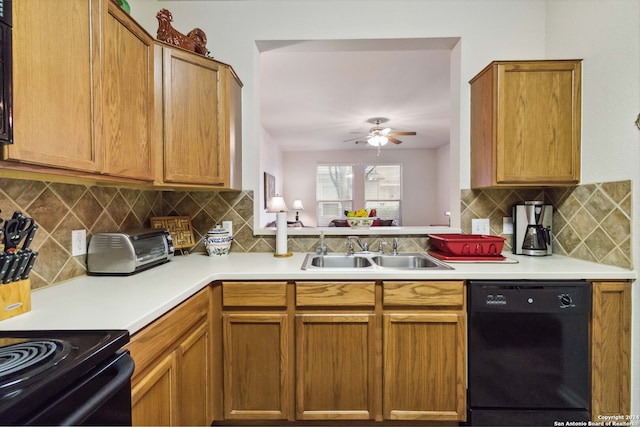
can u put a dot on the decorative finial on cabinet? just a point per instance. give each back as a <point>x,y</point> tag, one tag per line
<point>194,41</point>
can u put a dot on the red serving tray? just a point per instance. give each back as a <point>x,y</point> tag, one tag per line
<point>447,257</point>
<point>468,245</point>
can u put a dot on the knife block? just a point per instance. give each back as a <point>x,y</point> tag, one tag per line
<point>15,298</point>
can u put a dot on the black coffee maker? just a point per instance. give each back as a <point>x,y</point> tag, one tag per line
<point>532,221</point>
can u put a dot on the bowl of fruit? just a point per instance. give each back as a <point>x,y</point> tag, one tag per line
<point>361,218</point>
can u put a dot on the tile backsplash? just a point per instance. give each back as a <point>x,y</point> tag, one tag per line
<point>591,221</point>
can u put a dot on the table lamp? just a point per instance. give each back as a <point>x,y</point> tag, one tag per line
<point>297,206</point>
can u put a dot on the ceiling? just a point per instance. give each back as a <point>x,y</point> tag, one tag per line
<point>314,95</point>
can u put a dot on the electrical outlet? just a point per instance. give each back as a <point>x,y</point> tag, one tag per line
<point>507,225</point>
<point>78,242</point>
<point>480,226</point>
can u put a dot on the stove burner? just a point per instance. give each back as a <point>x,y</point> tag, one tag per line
<point>20,356</point>
<point>22,360</point>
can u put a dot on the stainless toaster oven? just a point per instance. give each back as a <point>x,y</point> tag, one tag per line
<point>124,253</point>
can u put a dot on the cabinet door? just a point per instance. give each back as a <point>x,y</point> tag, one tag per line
<point>538,131</point>
<point>128,94</point>
<point>424,366</point>
<point>611,349</point>
<point>194,149</point>
<point>194,378</point>
<point>256,366</point>
<point>153,398</point>
<point>57,97</point>
<point>232,107</point>
<point>335,366</point>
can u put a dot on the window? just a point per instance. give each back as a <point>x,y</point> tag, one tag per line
<point>383,191</point>
<point>343,187</point>
<point>334,192</point>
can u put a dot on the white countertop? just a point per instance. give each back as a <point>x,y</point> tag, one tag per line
<point>132,302</point>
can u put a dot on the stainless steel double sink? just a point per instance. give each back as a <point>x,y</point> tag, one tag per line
<point>373,260</point>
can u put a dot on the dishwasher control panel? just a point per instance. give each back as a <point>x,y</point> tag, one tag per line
<point>529,296</point>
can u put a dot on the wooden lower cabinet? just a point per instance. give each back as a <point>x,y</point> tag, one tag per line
<point>335,366</point>
<point>611,349</point>
<point>194,373</point>
<point>424,366</point>
<point>335,350</point>
<point>172,381</point>
<point>376,352</point>
<point>153,398</point>
<point>346,356</point>
<point>256,365</point>
<point>256,373</point>
<point>424,350</point>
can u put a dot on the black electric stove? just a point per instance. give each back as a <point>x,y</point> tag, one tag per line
<point>62,377</point>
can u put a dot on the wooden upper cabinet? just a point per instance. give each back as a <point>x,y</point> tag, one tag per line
<point>232,122</point>
<point>56,89</point>
<point>88,105</point>
<point>128,97</point>
<point>525,124</point>
<point>194,149</point>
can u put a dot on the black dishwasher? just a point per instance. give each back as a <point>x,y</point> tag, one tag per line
<point>528,344</point>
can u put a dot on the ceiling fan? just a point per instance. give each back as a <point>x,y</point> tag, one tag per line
<point>378,135</point>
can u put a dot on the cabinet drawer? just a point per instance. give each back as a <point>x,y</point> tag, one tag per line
<point>254,294</point>
<point>335,293</point>
<point>449,293</point>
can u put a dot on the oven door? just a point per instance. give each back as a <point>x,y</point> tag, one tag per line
<point>101,397</point>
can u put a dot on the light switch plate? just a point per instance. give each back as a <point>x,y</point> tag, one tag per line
<point>480,226</point>
<point>507,225</point>
<point>78,242</point>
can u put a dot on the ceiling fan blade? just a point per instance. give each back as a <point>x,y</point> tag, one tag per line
<point>352,139</point>
<point>402,133</point>
<point>392,139</point>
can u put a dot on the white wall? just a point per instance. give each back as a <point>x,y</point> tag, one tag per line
<point>443,184</point>
<point>420,201</point>
<point>606,34</point>
<point>271,162</point>
<point>489,29</point>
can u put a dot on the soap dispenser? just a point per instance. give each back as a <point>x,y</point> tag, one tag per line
<point>321,249</point>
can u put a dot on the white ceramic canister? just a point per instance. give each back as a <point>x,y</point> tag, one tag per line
<point>217,241</point>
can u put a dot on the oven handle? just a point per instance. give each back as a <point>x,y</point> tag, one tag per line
<point>124,366</point>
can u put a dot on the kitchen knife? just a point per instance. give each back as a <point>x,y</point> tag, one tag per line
<point>12,264</point>
<point>30,235</point>
<point>27,270</point>
<point>23,260</point>
<point>4,264</point>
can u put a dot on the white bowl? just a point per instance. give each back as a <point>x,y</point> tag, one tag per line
<point>360,221</point>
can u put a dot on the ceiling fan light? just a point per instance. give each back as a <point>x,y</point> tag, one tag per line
<point>378,140</point>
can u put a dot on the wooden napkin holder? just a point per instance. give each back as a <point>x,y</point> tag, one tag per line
<point>15,298</point>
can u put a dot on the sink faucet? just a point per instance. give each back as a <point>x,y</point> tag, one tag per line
<point>395,246</point>
<point>363,245</point>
